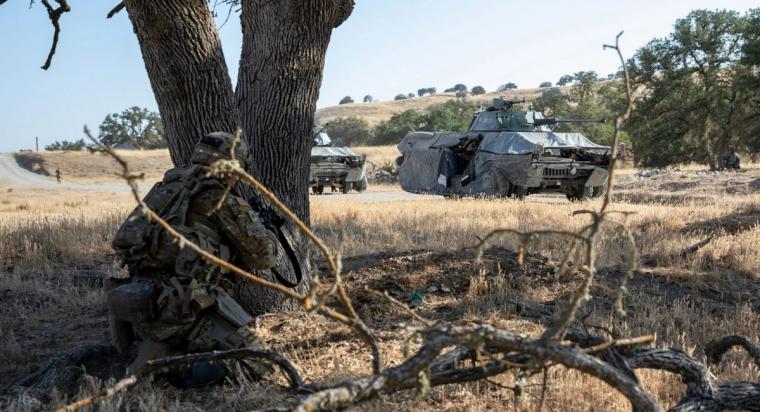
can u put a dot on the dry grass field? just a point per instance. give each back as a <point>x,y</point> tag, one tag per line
<point>55,253</point>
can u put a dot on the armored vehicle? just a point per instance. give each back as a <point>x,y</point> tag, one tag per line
<point>336,167</point>
<point>506,152</point>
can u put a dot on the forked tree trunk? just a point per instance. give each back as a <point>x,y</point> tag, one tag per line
<point>183,56</point>
<point>284,45</point>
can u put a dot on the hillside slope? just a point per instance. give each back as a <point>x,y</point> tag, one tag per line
<point>375,113</point>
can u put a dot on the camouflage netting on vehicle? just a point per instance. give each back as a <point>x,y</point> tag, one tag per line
<point>500,143</point>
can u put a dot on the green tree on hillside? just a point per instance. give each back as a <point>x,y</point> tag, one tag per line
<point>507,86</point>
<point>368,98</point>
<point>137,126</point>
<point>457,88</point>
<point>583,84</point>
<point>453,116</point>
<point>702,90</point>
<point>400,96</point>
<point>478,90</point>
<point>346,100</point>
<point>565,80</point>
<point>66,145</point>
<point>545,84</point>
<point>392,130</point>
<point>349,131</point>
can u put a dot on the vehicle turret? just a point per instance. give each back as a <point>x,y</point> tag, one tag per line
<point>502,116</point>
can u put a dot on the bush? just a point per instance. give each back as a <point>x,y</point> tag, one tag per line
<point>400,96</point>
<point>478,90</point>
<point>134,126</point>
<point>507,86</point>
<point>66,145</point>
<point>349,131</point>
<point>545,84</point>
<point>346,100</point>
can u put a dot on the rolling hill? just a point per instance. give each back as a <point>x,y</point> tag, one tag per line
<point>375,113</point>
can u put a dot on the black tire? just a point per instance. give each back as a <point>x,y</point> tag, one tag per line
<point>580,194</point>
<point>318,190</point>
<point>346,187</point>
<point>599,191</point>
<point>399,161</point>
<point>519,192</point>
<point>362,184</point>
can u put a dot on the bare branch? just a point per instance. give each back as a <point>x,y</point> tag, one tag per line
<point>119,7</point>
<point>716,348</point>
<point>55,16</point>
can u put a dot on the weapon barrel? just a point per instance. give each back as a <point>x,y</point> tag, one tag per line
<point>542,122</point>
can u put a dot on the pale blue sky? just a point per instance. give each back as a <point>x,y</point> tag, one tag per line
<point>386,47</point>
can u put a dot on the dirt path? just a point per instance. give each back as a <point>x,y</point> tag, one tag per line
<point>13,175</point>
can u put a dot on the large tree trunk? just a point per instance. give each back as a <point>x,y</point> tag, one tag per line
<point>284,45</point>
<point>183,56</point>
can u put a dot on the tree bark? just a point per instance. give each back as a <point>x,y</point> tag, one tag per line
<point>284,45</point>
<point>185,63</point>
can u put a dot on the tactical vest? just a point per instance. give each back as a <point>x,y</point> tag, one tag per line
<point>145,246</point>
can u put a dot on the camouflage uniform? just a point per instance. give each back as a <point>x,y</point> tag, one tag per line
<point>174,301</point>
<point>731,160</point>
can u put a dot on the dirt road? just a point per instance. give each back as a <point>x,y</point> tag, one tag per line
<point>13,175</point>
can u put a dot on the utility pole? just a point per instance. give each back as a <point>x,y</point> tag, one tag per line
<point>36,143</point>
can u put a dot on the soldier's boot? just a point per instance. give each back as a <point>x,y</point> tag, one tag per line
<point>204,374</point>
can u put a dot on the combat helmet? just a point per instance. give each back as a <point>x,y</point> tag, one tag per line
<point>216,146</point>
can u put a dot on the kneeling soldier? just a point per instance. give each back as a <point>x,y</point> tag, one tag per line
<point>174,301</point>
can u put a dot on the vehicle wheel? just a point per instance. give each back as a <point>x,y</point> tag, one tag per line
<point>399,161</point>
<point>599,191</point>
<point>580,193</point>
<point>318,190</point>
<point>346,187</point>
<point>519,192</point>
<point>362,184</point>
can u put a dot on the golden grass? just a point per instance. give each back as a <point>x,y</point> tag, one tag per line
<point>51,239</point>
<point>86,167</point>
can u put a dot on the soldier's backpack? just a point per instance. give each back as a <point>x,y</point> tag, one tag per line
<point>142,243</point>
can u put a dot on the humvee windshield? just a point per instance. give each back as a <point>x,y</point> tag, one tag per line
<point>500,120</point>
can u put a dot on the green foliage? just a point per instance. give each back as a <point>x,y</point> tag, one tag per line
<point>565,80</point>
<point>66,145</point>
<point>459,87</point>
<point>392,130</point>
<point>426,90</point>
<point>478,90</point>
<point>702,90</point>
<point>604,103</point>
<point>583,84</point>
<point>505,87</point>
<point>136,126</point>
<point>346,100</point>
<point>349,131</point>
<point>453,116</point>
<point>400,96</point>
<point>545,84</point>
<point>368,98</point>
